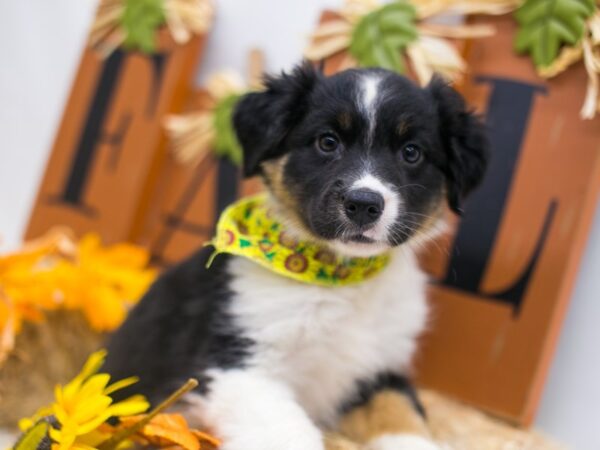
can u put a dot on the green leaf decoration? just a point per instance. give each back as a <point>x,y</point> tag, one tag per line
<point>140,21</point>
<point>546,25</point>
<point>34,438</point>
<point>226,143</point>
<point>380,37</point>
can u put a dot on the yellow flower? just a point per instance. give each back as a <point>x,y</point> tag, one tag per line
<point>54,271</point>
<point>84,404</point>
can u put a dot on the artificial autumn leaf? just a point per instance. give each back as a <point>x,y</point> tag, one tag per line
<point>382,35</point>
<point>140,21</point>
<point>160,430</point>
<point>207,438</point>
<point>226,144</point>
<point>546,25</point>
<point>167,430</point>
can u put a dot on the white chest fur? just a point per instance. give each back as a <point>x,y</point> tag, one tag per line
<point>320,341</point>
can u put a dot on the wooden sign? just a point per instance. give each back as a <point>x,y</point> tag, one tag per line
<point>188,199</point>
<point>501,282</point>
<point>111,140</point>
<point>500,296</point>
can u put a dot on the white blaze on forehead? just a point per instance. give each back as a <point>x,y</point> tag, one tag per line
<point>369,90</point>
<point>391,209</point>
<point>368,100</point>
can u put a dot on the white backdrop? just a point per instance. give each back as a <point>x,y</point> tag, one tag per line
<point>40,44</point>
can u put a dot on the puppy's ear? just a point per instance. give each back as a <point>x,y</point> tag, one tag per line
<point>262,120</point>
<point>464,139</point>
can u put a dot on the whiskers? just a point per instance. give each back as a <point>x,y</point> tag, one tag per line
<point>418,231</point>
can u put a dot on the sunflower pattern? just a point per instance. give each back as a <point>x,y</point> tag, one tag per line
<point>247,228</point>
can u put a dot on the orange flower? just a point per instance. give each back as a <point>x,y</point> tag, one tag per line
<point>56,272</point>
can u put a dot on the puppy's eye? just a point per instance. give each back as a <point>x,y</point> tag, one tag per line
<point>411,154</point>
<point>328,143</point>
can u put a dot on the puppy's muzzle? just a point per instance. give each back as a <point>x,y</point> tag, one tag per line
<point>362,206</point>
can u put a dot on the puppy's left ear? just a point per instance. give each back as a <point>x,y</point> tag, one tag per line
<point>463,136</point>
<point>262,120</point>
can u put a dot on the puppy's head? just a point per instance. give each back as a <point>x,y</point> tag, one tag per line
<point>363,159</point>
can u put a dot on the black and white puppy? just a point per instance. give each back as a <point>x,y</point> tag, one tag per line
<point>363,162</point>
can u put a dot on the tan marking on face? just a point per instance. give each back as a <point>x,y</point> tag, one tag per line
<point>402,127</point>
<point>284,204</point>
<point>388,412</point>
<point>432,218</point>
<point>345,120</point>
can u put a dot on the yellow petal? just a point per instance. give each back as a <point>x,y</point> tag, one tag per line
<point>93,386</point>
<point>90,408</point>
<point>60,413</point>
<point>25,424</point>
<point>91,366</point>
<point>121,384</point>
<point>135,404</point>
<point>93,438</point>
<point>94,423</point>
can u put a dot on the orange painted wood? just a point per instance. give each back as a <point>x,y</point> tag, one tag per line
<point>479,349</point>
<point>111,142</point>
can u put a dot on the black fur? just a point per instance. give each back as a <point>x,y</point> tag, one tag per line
<point>181,327</point>
<point>262,120</point>
<point>464,138</point>
<point>178,330</point>
<point>296,109</point>
<point>367,389</point>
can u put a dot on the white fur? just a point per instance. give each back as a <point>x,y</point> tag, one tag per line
<point>368,100</point>
<point>392,203</point>
<point>312,344</point>
<point>249,410</point>
<point>401,442</point>
<point>380,231</point>
<point>363,250</point>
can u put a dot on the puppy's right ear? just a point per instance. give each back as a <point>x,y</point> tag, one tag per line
<point>262,120</point>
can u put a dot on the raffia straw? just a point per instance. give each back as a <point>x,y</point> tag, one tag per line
<point>192,135</point>
<point>457,31</point>
<point>591,59</point>
<point>256,69</point>
<point>587,49</point>
<point>354,10</point>
<point>429,8</point>
<point>429,55</point>
<point>187,17</point>
<point>566,58</point>
<point>106,34</point>
<point>324,48</point>
<point>334,36</point>
<point>184,18</point>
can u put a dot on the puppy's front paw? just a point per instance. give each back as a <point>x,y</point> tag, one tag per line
<point>402,442</point>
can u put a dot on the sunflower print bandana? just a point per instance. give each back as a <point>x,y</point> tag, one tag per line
<point>247,228</point>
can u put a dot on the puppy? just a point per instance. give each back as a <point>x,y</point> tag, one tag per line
<point>362,163</point>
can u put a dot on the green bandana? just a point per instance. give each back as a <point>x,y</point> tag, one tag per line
<point>247,228</point>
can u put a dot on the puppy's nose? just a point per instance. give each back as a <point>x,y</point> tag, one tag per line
<point>363,206</point>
